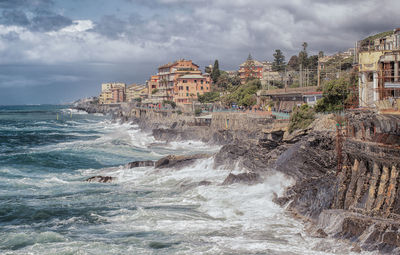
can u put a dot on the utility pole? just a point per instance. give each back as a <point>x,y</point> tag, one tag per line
<point>318,74</point>
<point>301,75</point>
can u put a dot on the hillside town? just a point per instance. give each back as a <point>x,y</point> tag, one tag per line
<point>364,76</point>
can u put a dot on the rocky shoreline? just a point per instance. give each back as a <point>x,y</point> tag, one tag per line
<point>359,203</point>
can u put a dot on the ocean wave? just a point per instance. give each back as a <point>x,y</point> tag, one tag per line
<point>73,111</point>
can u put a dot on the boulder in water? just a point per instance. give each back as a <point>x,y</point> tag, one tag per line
<point>102,179</point>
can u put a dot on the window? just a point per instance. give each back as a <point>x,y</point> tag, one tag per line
<point>187,88</point>
<point>184,81</point>
<point>187,94</point>
<point>201,81</point>
<point>201,87</point>
<point>195,81</point>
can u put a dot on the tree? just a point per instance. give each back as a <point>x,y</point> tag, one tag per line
<point>303,56</point>
<point>313,62</point>
<point>335,93</point>
<point>294,62</point>
<point>321,54</point>
<point>279,61</point>
<point>215,71</point>
<point>244,95</point>
<point>223,81</point>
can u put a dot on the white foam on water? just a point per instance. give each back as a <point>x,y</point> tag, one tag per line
<point>73,111</point>
<point>234,219</point>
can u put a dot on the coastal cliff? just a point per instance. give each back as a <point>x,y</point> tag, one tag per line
<point>360,202</point>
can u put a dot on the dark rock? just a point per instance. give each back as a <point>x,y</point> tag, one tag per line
<point>102,179</point>
<point>268,144</point>
<point>173,161</point>
<point>140,164</point>
<point>247,178</point>
<point>204,183</point>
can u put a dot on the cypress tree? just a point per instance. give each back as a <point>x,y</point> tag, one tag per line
<point>215,72</point>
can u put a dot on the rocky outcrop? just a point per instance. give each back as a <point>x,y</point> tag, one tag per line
<point>173,161</point>
<point>246,178</point>
<point>140,164</point>
<point>101,179</point>
<point>361,202</point>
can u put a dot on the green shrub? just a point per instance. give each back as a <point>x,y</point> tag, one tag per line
<point>208,97</point>
<point>301,118</point>
<point>245,94</point>
<point>154,91</point>
<point>179,112</point>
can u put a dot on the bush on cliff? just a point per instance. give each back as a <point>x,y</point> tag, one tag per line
<point>301,118</point>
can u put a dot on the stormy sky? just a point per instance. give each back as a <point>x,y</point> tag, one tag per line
<point>56,51</point>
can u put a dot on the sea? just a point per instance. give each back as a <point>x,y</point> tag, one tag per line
<point>46,206</point>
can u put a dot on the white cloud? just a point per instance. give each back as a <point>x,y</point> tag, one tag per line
<point>78,26</point>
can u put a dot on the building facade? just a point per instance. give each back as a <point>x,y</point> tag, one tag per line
<point>112,93</point>
<point>379,70</point>
<point>135,91</point>
<point>189,87</point>
<point>251,69</point>
<point>169,73</point>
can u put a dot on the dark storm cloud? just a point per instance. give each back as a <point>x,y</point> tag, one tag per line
<point>43,18</point>
<point>111,26</point>
<point>14,17</point>
<point>49,22</point>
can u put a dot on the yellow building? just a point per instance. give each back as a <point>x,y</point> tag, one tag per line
<point>108,97</point>
<point>135,91</point>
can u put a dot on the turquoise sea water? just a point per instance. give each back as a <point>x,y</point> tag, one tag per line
<point>47,208</point>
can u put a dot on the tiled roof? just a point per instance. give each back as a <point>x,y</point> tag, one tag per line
<point>256,63</point>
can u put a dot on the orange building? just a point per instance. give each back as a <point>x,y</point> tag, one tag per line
<point>169,73</point>
<point>250,68</point>
<point>189,87</point>
<point>152,84</point>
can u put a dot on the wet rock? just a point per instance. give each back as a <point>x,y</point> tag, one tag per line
<point>204,183</point>
<point>246,178</point>
<point>140,164</point>
<point>174,161</point>
<point>101,179</point>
